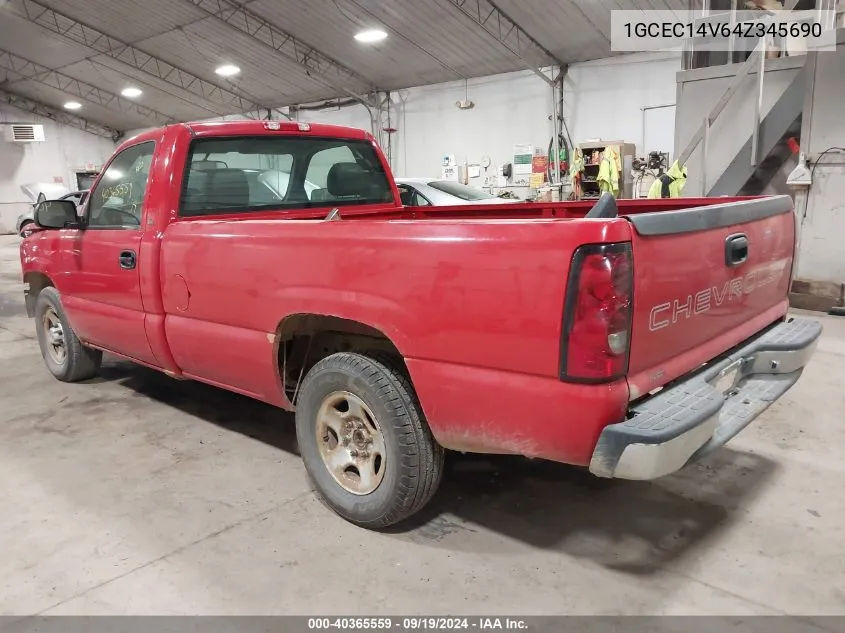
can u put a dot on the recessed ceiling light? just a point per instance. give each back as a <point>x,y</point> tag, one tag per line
<point>370,35</point>
<point>131,92</point>
<point>227,70</point>
<point>73,105</point>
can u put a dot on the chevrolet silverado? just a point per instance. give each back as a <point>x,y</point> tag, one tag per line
<point>275,259</point>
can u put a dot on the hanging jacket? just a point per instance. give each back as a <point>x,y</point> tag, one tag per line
<point>669,185</point>
<point>576,168</point>
<point>608,177</point>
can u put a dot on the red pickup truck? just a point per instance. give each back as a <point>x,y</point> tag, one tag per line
<point>276,260</point>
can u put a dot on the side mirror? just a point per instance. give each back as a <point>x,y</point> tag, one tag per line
<point>56,214</point>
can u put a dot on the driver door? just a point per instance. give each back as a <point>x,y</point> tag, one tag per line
<point>103,294</point>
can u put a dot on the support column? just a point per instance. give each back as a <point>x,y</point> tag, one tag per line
<point>555,135</point>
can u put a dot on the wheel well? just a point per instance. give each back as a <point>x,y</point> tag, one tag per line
<point>305,339</point>
<point>37,282</point>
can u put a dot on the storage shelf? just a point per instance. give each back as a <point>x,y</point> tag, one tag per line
<point>626,152</point>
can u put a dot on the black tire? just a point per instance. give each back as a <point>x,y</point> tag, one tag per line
<point>23,227</point>
<point>414,459</point>
<point>79,362</point>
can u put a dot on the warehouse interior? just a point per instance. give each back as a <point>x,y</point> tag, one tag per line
<point>135,494</point>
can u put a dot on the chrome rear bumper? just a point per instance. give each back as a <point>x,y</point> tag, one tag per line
<point>689,420</point>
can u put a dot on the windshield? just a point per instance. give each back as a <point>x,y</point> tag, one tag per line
<point>458,190</point>
<point>237,174</point>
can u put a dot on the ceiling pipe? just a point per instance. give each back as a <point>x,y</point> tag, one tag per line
<point>326,105</point>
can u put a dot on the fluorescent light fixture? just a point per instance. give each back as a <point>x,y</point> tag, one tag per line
<point>370,36</point>
<point>72,105</point>
<point>131,92</point>
<point>227,70</point>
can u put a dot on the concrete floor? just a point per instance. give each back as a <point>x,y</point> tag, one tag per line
<point>137,494</point>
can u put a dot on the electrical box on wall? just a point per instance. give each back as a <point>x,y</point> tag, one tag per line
<point>24,133</point>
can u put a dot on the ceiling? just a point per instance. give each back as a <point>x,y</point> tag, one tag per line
<point>53,51</point>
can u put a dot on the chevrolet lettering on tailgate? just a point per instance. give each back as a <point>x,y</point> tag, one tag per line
<point>670,312</point>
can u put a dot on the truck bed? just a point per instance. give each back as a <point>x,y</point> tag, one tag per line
<point>516,210</point>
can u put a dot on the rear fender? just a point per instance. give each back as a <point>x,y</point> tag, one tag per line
<point>302,339</point>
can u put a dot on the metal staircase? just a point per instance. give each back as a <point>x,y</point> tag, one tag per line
<point>745,176</point>
<point>722,163</point>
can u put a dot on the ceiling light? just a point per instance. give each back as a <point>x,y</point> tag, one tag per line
<point>131,92</point>
<point>227,70</point>
<point>73,105</point>
<point>370,35</point>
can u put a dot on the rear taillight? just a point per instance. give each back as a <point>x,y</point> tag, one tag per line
<point>596,334</point>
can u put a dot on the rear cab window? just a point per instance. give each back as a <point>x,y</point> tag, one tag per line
<point>242,174</point>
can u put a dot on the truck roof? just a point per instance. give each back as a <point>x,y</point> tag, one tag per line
<point>249,127</point>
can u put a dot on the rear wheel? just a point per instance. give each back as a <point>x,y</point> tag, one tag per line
<point>364,440</point>
<point>64,354</point>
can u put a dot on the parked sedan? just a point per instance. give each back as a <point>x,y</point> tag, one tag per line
<point>25,219</point>
<point>423,192</point>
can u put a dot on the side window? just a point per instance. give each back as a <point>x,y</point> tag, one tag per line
<point>118,199</point>
<point>410,197</point>
<point>406,195</point>
<point>420,200</point>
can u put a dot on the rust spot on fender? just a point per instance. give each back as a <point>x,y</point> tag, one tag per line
<point>271,337</point>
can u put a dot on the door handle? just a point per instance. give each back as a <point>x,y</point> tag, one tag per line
<point>127,259</point>
<point>736,249</point>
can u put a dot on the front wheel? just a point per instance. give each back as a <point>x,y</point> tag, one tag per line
<point>364,440</point>
<point>64,354</point>
<point>26,226</point>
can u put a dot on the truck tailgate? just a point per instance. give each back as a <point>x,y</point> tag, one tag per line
<point>706,279</point>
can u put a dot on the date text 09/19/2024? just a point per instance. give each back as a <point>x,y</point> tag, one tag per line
<point>417,623</point>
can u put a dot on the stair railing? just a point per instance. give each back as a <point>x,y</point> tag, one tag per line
<point>702,133</point>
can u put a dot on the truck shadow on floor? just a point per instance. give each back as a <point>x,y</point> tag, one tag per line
<point>628,526</point>
<point>228,410</point>
<point>633,527</point>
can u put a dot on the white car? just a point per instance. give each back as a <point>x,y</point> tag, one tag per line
<point>423,192</point>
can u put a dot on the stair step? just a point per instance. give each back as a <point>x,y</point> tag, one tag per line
<point>781,123</point>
